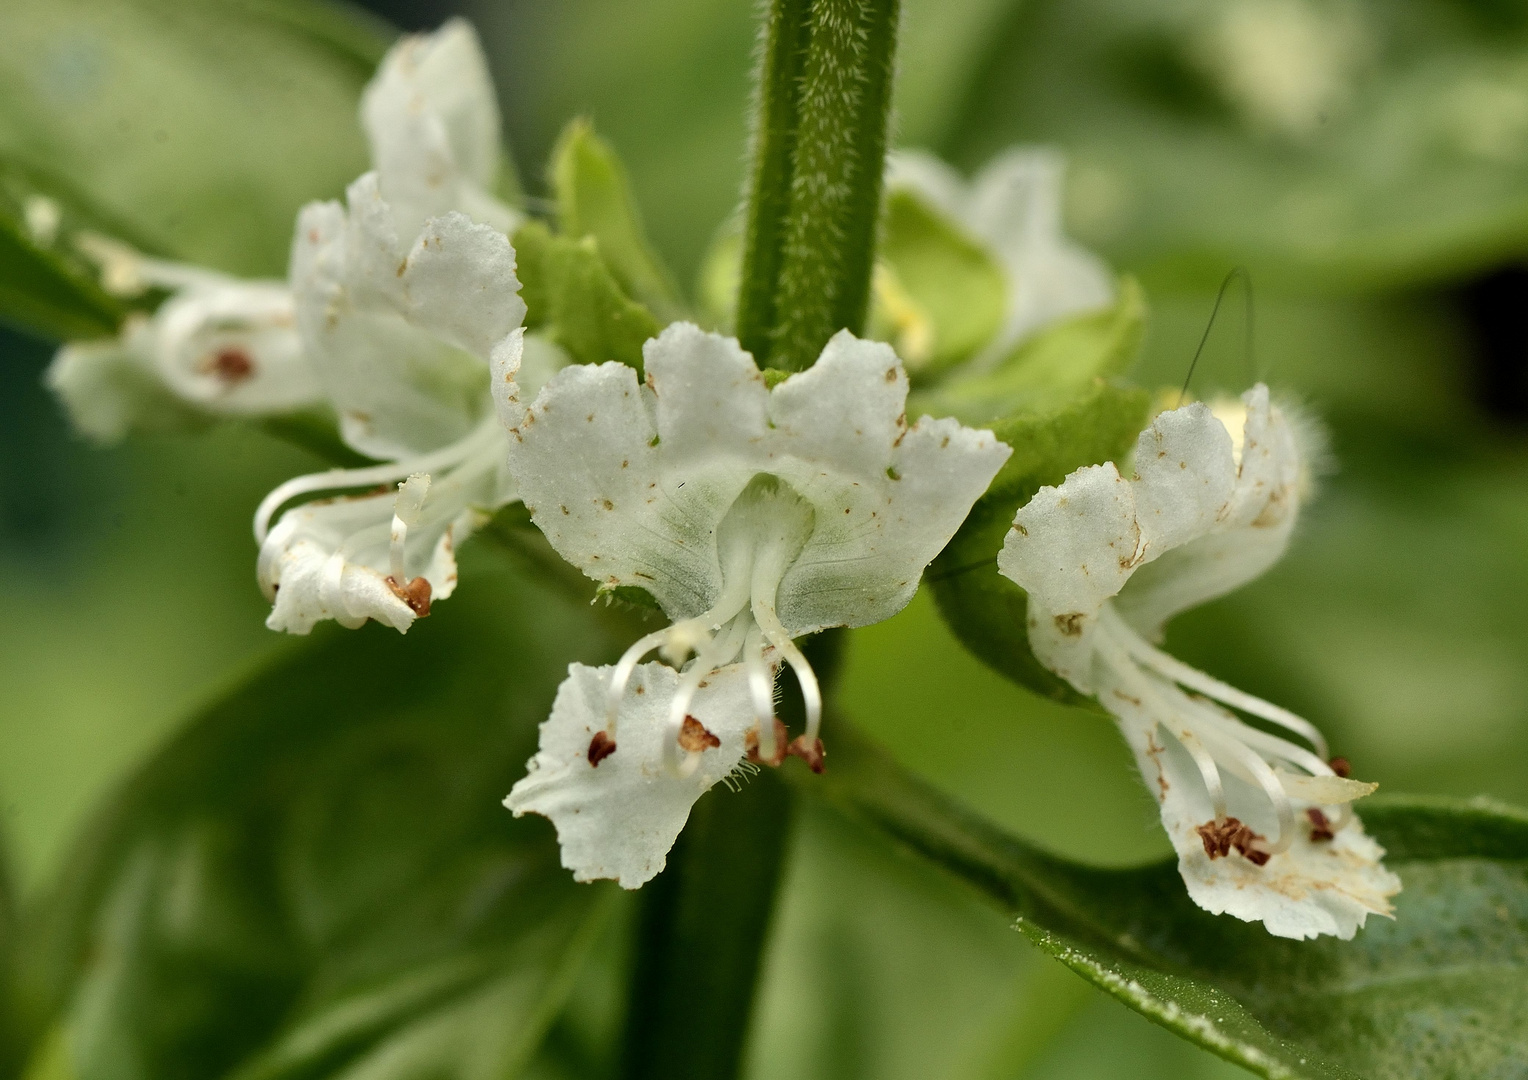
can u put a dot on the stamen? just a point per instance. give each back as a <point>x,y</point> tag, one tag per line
<point>811,693</point>
<point>1150,690</point>
<point>722,649</point>
<point>1208,685</point>
<point>761,688</point>
<point>406,511</point>
<point>1243,755</point>
<point>370,476</point>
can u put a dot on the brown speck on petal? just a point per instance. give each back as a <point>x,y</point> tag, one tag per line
<point>1320,826</point>
<point>600,747</point>
<point>695,737</point>
<point>1341,767</point>
<point>231,364</point>
<point>416,594</point>
<point>810,752</point>
<point>1071,623</point>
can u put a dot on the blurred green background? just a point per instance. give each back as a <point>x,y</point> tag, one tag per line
<point>1379,196</point>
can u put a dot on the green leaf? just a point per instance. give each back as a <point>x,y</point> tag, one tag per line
<point>569,292</point>
<point>594,199</point>
<point>985,610</point>
<point>317,876</point>
<point>939,295</point>
<point>1049,369</point>
<point>1338,145</point>
<point>1435,993</point>
<point>199,128</point>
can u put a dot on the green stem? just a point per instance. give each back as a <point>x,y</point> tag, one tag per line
<point>703,924</point>
<point>705,920</point>
<point>815,185</point>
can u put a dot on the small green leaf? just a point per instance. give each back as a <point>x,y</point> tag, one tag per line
<point>939,295</point>
<point>1437,992</point>
<point>986,611</point>
<point>595,199</point>
<point>317,877</point>
<point>569,292</point>
<point>1049,369</point>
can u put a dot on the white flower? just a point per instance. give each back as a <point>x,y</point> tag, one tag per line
<point>433,124</point>
<point>218,345</point>
<point>1261,823</point>
<point>401,341</point>
<point>1013,208</point>
<point>223,346</point>
<point>752,516</point>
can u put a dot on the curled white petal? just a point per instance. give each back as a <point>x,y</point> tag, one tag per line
<point>618,813</point>
<point>384,555</point>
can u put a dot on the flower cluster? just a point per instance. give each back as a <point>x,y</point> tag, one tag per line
<point>754,508</point>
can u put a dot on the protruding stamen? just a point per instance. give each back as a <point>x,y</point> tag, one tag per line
<point>1207,769</point>
<point>1239,753</point>
<point>719,651</point>
<point>1208,685</point>
<point>761,688</point>
<point>370,476</point>
<point>776,635</point>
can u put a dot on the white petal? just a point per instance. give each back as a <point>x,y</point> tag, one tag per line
<point>433,123</point>
<point>1251,532</point>
<point>586,458</point>
<point>1186,475</point>
<point>459,282</point>
<point>1017,209</point>
<point>846,410</point>
<point>619,818</point>
<point>1073,547</point>
<point>111,387</point>
<point>711,400</point>
<point>877,532</point>
<point>1314,888</point>
<point>401,344</point>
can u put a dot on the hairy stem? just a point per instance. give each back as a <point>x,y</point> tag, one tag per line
<point>815,185</point>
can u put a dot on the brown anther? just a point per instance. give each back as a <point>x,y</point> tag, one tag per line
<point>1320,825</point>
<point>751,745</point>
<point>1219,837</point>
<point>231,364</point>
<point>600,747</point>
<point>694,736</point>
<point>1341,767</point>
<point>416,594</point>
<point>810,752</point>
